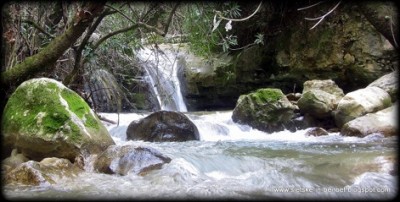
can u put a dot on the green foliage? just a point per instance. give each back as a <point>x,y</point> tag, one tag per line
<point>198,25</point>
<point>259,39</point>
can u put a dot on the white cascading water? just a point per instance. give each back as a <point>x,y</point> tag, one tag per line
<point>160,63</point>
<point>233,161</point>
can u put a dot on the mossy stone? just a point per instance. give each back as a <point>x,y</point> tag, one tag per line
<point>43,118</point>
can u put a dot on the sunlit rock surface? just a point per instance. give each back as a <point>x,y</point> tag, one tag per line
<point>383,122</point>
<point>359,103</point>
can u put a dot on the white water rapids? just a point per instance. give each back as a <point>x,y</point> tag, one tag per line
<point>234,161</point>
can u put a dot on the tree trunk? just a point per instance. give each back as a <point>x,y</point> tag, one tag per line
<point>383,16</point>
<point>49,55</point>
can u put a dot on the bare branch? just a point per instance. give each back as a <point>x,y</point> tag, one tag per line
<point>321,18</point>
<point>307,7</point>
<point>97,44</point>
<point>170,18</point>
<point>242,19</point>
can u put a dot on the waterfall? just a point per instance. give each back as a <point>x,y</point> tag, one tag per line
<point>160,64</point>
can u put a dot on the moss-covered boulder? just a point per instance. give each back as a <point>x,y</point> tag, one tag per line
<point>43,118</point>
<point>266,109</point>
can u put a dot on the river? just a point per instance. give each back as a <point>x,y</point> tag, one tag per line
<point>234,161</point>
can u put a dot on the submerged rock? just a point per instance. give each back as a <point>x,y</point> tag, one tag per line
<point>266,109</point>
<point>163,126</point>
<point>316,131</point>
<point>43,118</point>
<point>128,159</point>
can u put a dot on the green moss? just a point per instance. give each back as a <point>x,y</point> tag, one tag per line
<point>76,104</point>
<point>75,132</point>
<point>266,95</point>
<point>43,114</point>
<point>28,114</point>
<point>91,122</point>
<point>52,123</point>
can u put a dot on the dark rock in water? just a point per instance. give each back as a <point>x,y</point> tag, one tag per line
<point>163,126</point>
<point>127,159</point>
<point>316,132</point>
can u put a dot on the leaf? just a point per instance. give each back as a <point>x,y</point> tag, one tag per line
<point>259,39</point>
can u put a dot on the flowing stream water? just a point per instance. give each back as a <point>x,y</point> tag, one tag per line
<point>232,161</point>
<point>238,162</point>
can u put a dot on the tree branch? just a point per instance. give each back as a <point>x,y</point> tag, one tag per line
<point>321,18</point>
<point>383,16</point>
<point>242,19</point>
<point>38,27</point>
<point>55,48</point>
<point>100,41</point>
<point>170,18</point>
<point>78,53</point>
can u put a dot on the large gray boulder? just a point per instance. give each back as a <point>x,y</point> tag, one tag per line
<point>319,98</point>
<point>266,109</point>
<point>43,118</point>
<point>359,103</point>
<point>128,159</point>
<point>388,83</point>
<point>163,126</point>
<point>383,122</point>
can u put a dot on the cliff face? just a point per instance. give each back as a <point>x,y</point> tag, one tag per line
<point>344,47</point>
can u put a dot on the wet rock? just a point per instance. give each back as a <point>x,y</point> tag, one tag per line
<point>383,122</point>
<point>316,132</point>
<point>127,159</point>
<point>43,118</point>
<point>266,109</point>
<point>359,103</point>
<point>163,126</point>
<point>48,171</point>
<point>293,96</point>
<point>13,161</point>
